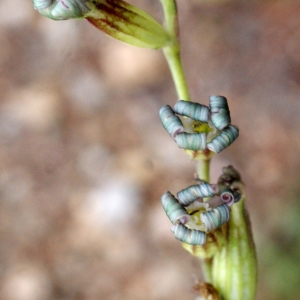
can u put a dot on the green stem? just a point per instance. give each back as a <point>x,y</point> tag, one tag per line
<point>203,167</point>
<point>206,265</point>
<point>172,51</point>
<point>172,54</point>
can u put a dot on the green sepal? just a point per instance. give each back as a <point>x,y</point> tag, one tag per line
<point>234,265</point>
<point>116,18</point>
<point>128,24</point>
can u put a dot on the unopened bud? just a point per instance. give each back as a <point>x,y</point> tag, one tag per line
<point>116,18</point>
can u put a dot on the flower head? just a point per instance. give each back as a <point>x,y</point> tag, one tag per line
<point>193,217</point>
<point>207,130</point>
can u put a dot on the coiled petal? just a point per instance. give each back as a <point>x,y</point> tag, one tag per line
<point>216,218</point>
<point>62,9</point>
<point>189,236</point>
<point>224,139</point>
<point>170,121</point>
<point>220,114</point>
<point>227,196</point>
<point>194,192</point>
<point>191,141</point>
<point>174,210</point>
<point>192,110</point>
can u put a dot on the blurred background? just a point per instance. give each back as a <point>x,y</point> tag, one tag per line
<point>84,159</point>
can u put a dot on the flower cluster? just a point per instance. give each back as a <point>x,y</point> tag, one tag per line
<point>204,128</point>
<point>193,217</point>
<point>199,128</point>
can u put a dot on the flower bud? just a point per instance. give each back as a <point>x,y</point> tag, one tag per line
<point>62,9</point>
<point>116,18</point>
<point>127,23</point>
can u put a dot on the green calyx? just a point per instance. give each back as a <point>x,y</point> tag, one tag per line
<point>127,23</point>
<point>234,265</point>
<point>116,18</point>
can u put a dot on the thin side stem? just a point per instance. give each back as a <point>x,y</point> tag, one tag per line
<point>172,51</point>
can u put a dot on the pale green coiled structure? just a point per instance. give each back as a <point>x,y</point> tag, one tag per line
<point>220,119</point>
<point>220,114</point>
<point>227,196</point>
<point>191,141</point>
<point>193,110</point>
<point>217,102</point>
<point>224,139</point>
<point>62,9</point>
<point>173,209</point>
<point>189,236</point>
<point>42,4</point>
<point>170,121</point>
<point>194,192</point>
<point>215,218</point>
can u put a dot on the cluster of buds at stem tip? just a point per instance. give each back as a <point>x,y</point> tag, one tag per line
<point>116,18</point>
<point>193,217</point>
<point>198,128</point>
